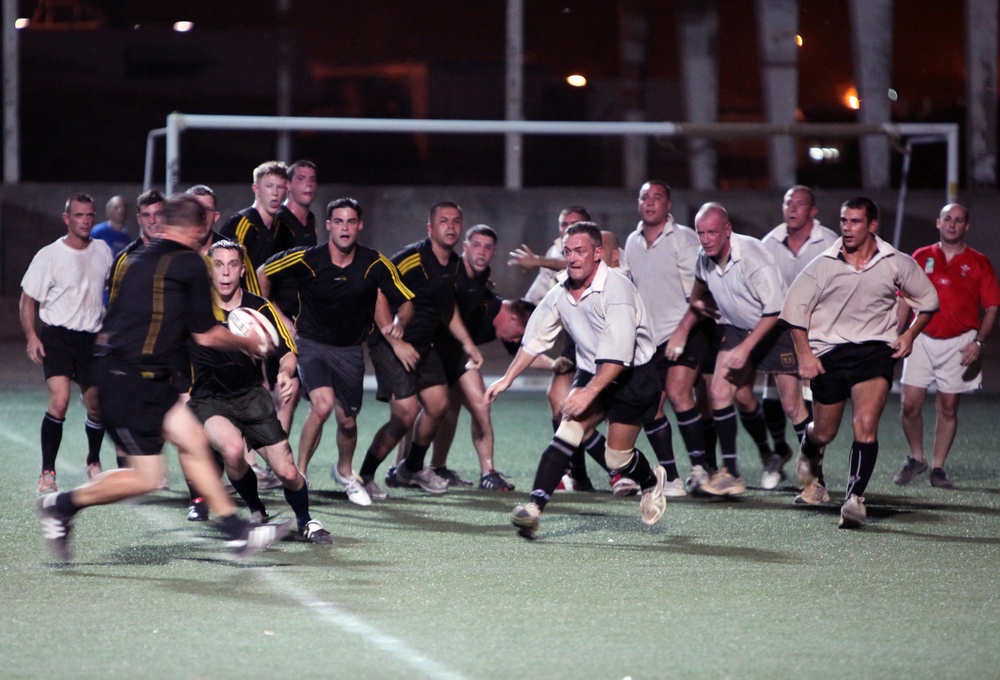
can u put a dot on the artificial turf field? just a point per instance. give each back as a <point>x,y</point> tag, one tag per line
<point>441,587</point>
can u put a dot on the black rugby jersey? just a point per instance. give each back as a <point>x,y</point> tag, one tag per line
<point>163,294</point>
<point>337,303</point>
<point>231,373</point>
<point>247,228</point>
<point>433,286</point>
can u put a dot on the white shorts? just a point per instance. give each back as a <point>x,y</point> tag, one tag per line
<point>939,362</point>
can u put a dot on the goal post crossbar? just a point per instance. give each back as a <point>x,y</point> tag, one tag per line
<point>179,122</point>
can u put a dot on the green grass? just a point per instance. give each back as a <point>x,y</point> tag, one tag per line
<point>422,586</point>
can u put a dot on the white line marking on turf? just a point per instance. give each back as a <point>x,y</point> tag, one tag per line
<point>329,613</point>
<point>333,615</point>
<point>17,439</point>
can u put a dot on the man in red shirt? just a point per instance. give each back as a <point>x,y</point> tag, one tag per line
<point>948,353</point>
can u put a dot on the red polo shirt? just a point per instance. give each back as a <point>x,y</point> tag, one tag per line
<point>964,285</point>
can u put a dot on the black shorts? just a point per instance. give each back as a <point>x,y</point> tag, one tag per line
<point>847,365</point>
<point>775,353</point>
<point>453,358</point>
<point>699,353</point>
<point>339,368</point>
<point>394,381</point>
<point>252,413</point>
<point>68,353</point>
<point>632,398</point>
<point>133,406</point>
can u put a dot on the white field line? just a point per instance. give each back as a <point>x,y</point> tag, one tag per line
<point>327,612</point>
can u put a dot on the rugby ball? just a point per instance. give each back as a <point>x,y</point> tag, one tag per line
<point>249,323</point>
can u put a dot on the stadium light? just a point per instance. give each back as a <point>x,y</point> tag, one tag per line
<point>851,100</point>
<point>183,26</point>
<point>798,40</point>
<point>576,80</point>
<point>22,22</point>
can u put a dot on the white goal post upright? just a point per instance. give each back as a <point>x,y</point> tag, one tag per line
<point>178,122</point>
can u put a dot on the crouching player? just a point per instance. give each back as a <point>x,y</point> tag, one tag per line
<point>601,311</point>
<point>229,397</point>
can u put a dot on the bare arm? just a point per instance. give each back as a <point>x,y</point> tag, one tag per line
<point>973,351</point>
<point>521,361</point>
<point>286,376</point>
<point>904,343</point>
<point>218,337</point>
<point>457,329</point>
<point>739,355</point>
<point>678,339</point>
<point>263,282</point>
<point>28,310</point>
<point>580,399</point>
<point>809,365</point>
<point>524,257</point>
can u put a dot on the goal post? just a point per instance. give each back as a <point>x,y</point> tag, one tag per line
<point>177,123</point>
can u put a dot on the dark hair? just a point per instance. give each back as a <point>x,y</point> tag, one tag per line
<point>522,309</point>
<point>483,229</point>
<point>578,209</point>
<point>181,210</point>
<point>78,197</point>
<point>200,190</point>
<point>438,206</point>
<point>345,202</point>
<point>226,244</point>
<point>659,183</point>
<point>300,164</point>
<point>148,198</point>
<point>863,203</point>
<point>587,228</point>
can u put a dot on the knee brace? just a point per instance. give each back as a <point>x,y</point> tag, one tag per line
<point>616,459</point>
<point>571,432</point>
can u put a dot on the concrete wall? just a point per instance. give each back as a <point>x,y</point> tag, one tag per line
<point>30,217</point>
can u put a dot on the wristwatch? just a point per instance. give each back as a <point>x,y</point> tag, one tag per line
<point>982,345</point>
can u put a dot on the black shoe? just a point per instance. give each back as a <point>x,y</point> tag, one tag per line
<point>451,477</point>
<point>582,484</point>
<point>392,482</point>
<point>56,526</point>
<point>314,532</point>
<point>198,512</point>
<point>940,480</point>
<point>911,468</point>
<point>494,481</point>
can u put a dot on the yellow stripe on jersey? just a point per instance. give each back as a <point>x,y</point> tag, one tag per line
<point>409,263</point>
<point>400,286</point>
<point>288,261</point>
<point>250,276</point>
<point>116,277</point>
<point>242,227</point>
<point>156,320</point>
<point>280,326</point>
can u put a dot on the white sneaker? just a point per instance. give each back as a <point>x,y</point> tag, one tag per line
<point>352,486</point>
<point>853,513</point>
<point>674,488</point>
<point>652,505</point>
<point>696,478</point>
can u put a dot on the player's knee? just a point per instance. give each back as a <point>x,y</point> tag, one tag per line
<point>348,426</point>
<point>232,453</point>
<point>865,425</point>
<point>571,432</point>
<point>616,458</point>
<point>320,409</point>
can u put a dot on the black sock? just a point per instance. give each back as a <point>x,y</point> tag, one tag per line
<point>800,429</point>
<point>814,452</point>
<point>246,487</point>
<point>369,466</point>
<point>232,525</point>
<point>52,428</point>
<point>415,457</point>
<point>595,447</point>
<point>710,437</point>
<point>756,427</point>
<point>725,426</point>
<point>551,467</point>
<point>95,437</point>
<point>774,414</point>
<point>863,457</point>
<point>639,471</point>
<point>661,439</point>
<point>299,500</point>
<point>65,504</point>
<point>689,423</point>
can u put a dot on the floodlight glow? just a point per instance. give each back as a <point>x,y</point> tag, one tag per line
<point>576,80</point>
<point>183,26</point>
<point>798,40</point>
<point>851,100</point>
<point>22,22</point>
<point>815,153</point>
